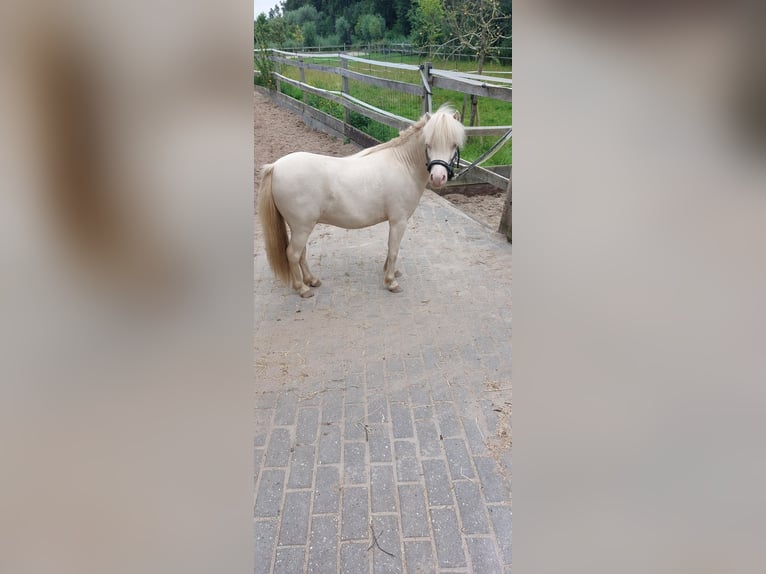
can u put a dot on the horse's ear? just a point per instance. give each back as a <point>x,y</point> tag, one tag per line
<point>456,115</point>
<point>428,116</point>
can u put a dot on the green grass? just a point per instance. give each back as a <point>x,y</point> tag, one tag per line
<point>491,112</point>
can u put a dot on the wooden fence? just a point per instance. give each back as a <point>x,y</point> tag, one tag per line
<point>485,86</point>
<point>467,83</point>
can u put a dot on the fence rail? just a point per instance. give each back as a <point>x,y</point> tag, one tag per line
<point>463,82</point>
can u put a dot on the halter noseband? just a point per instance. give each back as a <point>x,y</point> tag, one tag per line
<point>453,164</point>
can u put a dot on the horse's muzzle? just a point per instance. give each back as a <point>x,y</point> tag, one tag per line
<point>453,164</point>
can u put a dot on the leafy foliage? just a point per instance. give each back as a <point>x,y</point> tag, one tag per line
<point>370,27</point>
<point>427,20</point>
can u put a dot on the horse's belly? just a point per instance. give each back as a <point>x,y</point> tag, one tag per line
<point>351,220</point>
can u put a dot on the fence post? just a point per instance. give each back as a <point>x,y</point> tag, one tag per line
<point>506,223</point>
<point>302,71</point>
<point>278,82</point>
<point>344,89</point>
<point>425,74</point>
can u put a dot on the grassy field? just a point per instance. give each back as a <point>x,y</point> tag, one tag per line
<point>491,112</point>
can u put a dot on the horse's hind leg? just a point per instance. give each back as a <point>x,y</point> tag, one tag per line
<point>295,251</point>
<point>308,278</point>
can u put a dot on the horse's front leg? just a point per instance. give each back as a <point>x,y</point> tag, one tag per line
<point>395,234</point>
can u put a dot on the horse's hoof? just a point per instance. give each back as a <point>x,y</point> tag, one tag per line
<point>397,273</point>
<point>308,293</point>
<point>316,282</point>
<point>396,289</point>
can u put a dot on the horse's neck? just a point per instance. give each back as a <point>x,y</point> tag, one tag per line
<point>412,153</point>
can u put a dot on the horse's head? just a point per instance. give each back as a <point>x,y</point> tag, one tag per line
<point>444,136</point>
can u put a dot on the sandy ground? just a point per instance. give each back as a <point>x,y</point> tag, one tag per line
<point>486,208</point>
<point>293,135</point>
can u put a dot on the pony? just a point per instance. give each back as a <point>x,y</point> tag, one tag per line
<point>381,183</point>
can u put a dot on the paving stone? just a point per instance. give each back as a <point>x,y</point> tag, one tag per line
<point>382,488</point>
<point>431,357</point>
<point>329,444</point>
<point>266,400</point>
<point>449,547</point>
<point>327,489</point>
<point>377,408</point>
<point>420,395</point>
<point>428,438</point>
<point>307,426</point>
<point>286,408</point>
<point>491,481</point>
<point>386,530</point>
<point>394,367</point>
<point>268,500</point>
<point>423,412</point>
<point>413,510</point>
<point>278,452</point>
<point>289,559</point>
<point>332,407</point>
<point>301,467</point>
<point>374,375</point>
<point>355,462</point>
<point>354,422</point>
<point>354,558</point>
<point>474,436</point>
<point>258,458</point>
<point>262,424</point>
<point>323,545</point>
<point>441,391</point>
<point>354,513</point>
<point>414,368</point>
<point>379,444</point>
<point>459,461</point>
<point>483,556</point>
<point>437,482</point>
<point>265,533</point>
<point>407,467</point>
<point>502,518</point>
<point>295,518</point>
<point>471,507</point>
<point>401,421</point>
<point>419,557</point>
<point>449,426</point>
<point>355,391</point>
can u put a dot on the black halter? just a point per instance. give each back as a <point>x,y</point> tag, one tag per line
<point>453,164</point>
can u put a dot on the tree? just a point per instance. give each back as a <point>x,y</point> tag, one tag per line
<point>343,30</point>
<point>426,19</point>
<point>370,27</point>
<point>261,54</point>
<point>309,30</point>
<point>478,26</point>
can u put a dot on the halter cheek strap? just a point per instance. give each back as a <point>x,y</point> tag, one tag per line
<point>450,167</point>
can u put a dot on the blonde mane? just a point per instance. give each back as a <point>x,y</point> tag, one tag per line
<point>450,131</point>
<point>404,137</point>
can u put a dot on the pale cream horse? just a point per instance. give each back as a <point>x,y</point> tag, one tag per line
<point>381,183</point>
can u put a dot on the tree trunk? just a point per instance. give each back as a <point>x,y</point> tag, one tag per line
<point>506,219</point>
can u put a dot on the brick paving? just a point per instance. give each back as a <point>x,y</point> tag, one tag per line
<point>376,412</point>
<point>384,417</point>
